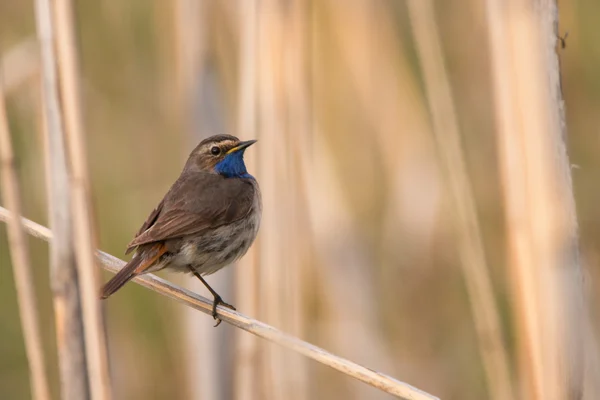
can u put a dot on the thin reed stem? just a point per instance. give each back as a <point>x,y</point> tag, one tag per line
<point>21,263</point>
<point>274,294</point>
<point>95,341</point>
<point>63,271</point>
<point>474,267</point>
<point>260,329</point>
<point>19,64</point>
<point>539,203</point>
<point>247,376</point>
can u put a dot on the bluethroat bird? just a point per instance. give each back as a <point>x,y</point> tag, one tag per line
<point>207,220</point>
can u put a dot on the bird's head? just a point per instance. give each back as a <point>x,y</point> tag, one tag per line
<point>220,154</point>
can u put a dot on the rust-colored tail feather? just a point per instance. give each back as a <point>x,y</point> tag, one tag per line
<point>136,266</point>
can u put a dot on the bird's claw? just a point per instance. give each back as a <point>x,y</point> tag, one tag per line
<point>218,300</point>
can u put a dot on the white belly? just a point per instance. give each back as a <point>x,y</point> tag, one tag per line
<point>220,247</point>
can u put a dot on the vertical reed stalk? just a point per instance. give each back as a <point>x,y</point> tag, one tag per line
<point>198,90</point>
<point>540,208</point>
<point>247,271</point>
<point>272,297</point>
<point>447,136</point>
<point>189,37</point>
<point>85,239</point>
<point>19,64</point>
<point>368,49</point>
<point>63,272</point>
<point>77,189</point>
<point>296,146</point>
<point>21,263</point>
<point>281,67</point>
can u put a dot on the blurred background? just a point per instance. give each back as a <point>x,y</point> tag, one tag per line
<point>357,252</point>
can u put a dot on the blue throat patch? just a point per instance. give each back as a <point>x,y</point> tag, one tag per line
<point>232,166</point>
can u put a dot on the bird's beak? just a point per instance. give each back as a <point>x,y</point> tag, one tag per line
<point>242,146</point>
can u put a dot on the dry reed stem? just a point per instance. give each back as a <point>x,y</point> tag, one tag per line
<point>294,88</point>
<point>19,64</point>
<point>260,329</point>
<point>205,360</point>
<point>63,272</point>
<point>447,136</point>
<point>540,211</point>
<point>273,296</point>
<point>383,93</point>
<point>190,37</point>
<point>24,283</point>
<point>246,374</point>
<point>95,340</point>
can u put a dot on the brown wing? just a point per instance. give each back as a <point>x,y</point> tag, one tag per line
<point>151,218</point>
<point>149,222</point>
<point>197,202</point>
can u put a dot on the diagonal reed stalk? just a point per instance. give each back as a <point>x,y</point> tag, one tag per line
<point>19,252</point>
<point>373,378</point>
<point>447,136</point>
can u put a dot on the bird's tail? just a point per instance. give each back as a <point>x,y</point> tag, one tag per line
<point>140,263</point>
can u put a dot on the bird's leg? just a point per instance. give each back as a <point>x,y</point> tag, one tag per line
<point>217,299</point>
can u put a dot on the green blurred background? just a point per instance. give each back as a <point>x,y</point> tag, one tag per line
<point>357,216</point>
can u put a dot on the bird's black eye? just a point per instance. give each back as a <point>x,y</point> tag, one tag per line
<point>215,150</point>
